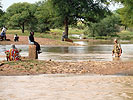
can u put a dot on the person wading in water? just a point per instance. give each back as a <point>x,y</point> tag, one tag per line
<point>117,50</point>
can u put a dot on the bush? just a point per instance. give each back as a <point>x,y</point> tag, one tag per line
<point>106,27</point>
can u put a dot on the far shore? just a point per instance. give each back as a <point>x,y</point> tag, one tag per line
<point>23,40</point>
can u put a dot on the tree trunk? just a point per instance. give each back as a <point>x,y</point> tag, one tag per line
<point>66,26</point>
<point>23,28</point>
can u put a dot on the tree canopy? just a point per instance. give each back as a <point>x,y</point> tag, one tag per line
<point>69,11</point>
<point>0,4</point>
<point>43,16</point>
<point>47,14</point>
<point>1,16</point>
<point>126,13</point>
<point>21,14</point>
<point>106,27</point>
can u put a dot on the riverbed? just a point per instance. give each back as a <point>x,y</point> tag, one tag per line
<point>66,87</point>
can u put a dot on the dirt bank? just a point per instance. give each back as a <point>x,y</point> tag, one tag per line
<point>31,67</point>
<point>23,40</point>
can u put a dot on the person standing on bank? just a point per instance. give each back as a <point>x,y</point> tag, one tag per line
<point>32,41</point>
<point>117,50</point>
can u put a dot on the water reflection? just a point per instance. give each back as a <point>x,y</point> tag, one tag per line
<point>66,87</point>
<point>94,42</point>
<point>102,42</point>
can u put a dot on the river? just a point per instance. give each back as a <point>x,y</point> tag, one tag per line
<point>69,87</point>
<point>95,52</point>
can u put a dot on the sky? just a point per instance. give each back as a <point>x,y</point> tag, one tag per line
<point>7,3</point>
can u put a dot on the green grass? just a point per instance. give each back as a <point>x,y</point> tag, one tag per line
<point>126,35</point>
<point>71,31</point>
<point>12,62</point>
<point>18,32</point>
<point>53,34</point>
<point>50,35</point>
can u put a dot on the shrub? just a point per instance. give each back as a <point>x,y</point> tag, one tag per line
<point>106,27</point>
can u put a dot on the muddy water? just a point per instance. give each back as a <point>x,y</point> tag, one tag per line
<point>66,87</point>
<point>94,52</point>
<point>84,53</point>
<point>69,87</point>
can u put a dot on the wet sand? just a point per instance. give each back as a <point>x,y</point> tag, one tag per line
<point>66,87</point>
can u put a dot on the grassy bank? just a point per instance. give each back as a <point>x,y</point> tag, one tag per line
<point>53,34</point>
<point>126,35</point>
<point>57,34</point>
<point>50,35</point>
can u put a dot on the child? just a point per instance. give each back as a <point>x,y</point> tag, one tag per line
<point>16,37</point>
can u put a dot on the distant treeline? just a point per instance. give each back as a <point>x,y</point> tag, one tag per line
<point>91,15</point>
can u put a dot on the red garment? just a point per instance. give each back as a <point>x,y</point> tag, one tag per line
<point>13,54</point>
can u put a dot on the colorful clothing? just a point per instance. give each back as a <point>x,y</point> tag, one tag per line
<point>12,55</point>
<point>117,50</point>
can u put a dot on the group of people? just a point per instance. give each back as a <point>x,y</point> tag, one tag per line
<point>13,53</point>
<point>3,35</point>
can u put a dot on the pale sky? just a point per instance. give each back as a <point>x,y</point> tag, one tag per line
<point>7,3</point>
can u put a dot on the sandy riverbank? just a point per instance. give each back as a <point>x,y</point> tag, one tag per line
<point>66,87</point>
<point>23,40</point>
<point>32,67</point>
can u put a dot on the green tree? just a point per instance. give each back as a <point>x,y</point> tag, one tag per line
<point>43,16</point>
<point>106,27</point>
<point>0,4</point>
<point>20,15</point>
<point>1,12</point>
<point>126,13</point>
<point>70,11</point>
<point>2,20</point>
